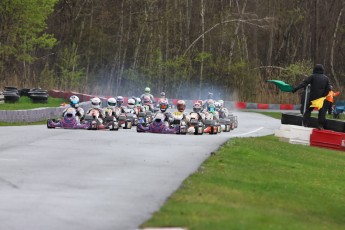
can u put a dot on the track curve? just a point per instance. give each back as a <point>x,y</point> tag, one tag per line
<point>78,179</point>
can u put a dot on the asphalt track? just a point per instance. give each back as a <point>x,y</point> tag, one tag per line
<point>54,179</point>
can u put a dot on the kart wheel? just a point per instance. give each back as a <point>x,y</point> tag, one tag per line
<point>227,128</point>
<point>200,130</point>
<point>196,130</point>
<point>48,126</point>
<point>128,125</point>
<point>139,130</point>
<point>212,131</point>
<point>219,129</point>
<point>113,127</point>
<point>182,130</point>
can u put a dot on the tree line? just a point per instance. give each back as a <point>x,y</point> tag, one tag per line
<point>186,48</point>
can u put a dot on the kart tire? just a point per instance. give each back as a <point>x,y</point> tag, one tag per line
<point>219,129</point>
<point>335,125</point>
<point>113,127</point>
<point>291,119</point>
<point>200,130</point>
<point>182,130</point>
<point>48,126</point>
<point>196,130</point>
<point>212,131</point>
<point>128,125</point>
<point>227,128</point>
<point>139,130</point>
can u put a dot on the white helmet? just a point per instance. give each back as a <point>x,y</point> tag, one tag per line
<point>147,90</point>
<point>96,102</point>
<point>74,101</point>
<point>217,105</point>
<point>111,102</point>
<point>138,101</point>
<point>131,103</point>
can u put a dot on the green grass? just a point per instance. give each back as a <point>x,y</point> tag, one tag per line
<point>2,123</point>
<point>25,103</point>
<point>260,183</point>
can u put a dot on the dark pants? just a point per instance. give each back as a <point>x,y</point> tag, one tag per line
<point>321,115</point>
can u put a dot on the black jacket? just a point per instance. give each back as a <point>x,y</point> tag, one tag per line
<point>320,84</point>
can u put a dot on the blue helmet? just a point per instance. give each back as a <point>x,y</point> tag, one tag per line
<point>74,101</point>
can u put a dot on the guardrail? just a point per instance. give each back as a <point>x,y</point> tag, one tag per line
<point>33,115</point>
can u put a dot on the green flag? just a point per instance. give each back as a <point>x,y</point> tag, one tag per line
<point>282,85</point>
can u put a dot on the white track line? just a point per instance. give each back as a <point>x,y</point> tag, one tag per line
<point>243,134</point>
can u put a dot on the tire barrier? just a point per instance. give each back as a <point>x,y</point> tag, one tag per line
<point>296,119</point>
<point>2,97</point>
<point>11,94</point>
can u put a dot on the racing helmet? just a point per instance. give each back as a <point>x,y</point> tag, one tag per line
<point>131,103</point>
<point>147,90</point>
<point>217,106</point>
<point>201,102</point>
<point>119,101</point>
<point>197,107</point>
<point>96,103</point>
<point>163,106</point>
<point>147,100</point>
<point>138,100</point>
<point>162,94</point>
<point>221,102</point>
<point>211,107</point>
<point>74,101</point>
<point>181,105</point>
<point>111,102</point>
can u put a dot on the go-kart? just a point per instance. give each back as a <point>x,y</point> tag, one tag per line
<point>157,126</point>
<point>226,124</point>
<point>234,121</point>
<point>178,121</point>
<point>195,125</point>
<point>69,121</point>
<point>211,123</point>
<point>143,120</point>
<point>110,122</point>
<point>93,117</point>
<point>124,119</point>
<point>227,120</point>
<point>131,115</point>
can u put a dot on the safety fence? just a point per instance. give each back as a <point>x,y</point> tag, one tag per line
<point>33,115</point>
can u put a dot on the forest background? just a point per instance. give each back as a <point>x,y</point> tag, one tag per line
<point>186,48</point>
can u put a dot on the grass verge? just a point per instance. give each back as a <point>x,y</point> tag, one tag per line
<point>2,123</point>
<point>25,103</point>
<point>260,183</point>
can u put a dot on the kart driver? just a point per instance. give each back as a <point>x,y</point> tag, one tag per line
<point>74,103</point>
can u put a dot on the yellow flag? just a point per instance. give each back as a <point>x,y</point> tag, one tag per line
<point>318,103</point>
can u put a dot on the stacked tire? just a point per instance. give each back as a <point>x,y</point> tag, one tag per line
<point>38,95</point>
<point>11,94</point>
<point>296,119</point>
<point>2,98</point>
